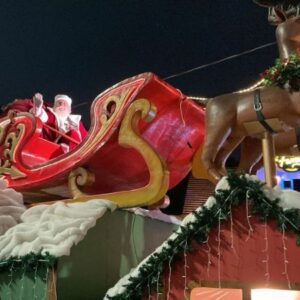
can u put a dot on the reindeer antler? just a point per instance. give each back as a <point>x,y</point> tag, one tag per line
<point>280,10</point>
<point>275,3</point>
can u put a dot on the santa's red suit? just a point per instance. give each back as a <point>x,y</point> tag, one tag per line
<point>68,124</point>
<point>71,126</point>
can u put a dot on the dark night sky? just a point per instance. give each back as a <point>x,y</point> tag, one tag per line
<point>81,47</point>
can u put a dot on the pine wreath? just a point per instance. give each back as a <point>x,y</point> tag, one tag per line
<point>284,74</point>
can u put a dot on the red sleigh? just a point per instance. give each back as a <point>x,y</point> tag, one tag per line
<point>142,138</point>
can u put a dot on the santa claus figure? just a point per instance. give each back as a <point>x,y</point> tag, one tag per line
<point>60,125</point>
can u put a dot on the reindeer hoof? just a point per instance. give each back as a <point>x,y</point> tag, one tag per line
<point>214,174</point>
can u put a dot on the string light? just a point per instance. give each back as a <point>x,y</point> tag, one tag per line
<point>22,281</point>
<point>250,230</point>
<point>219,248</point>
<point>157,286</point>
<point>266,250</point>
<point>169,277</point>
<point>231,231</point>
<point>240,188</point>
<point>11,279</point>
<point>208,257</point>
<point>35,280</point>
<point>204,100</point>
<point>285,260</point>
<point>185,269</point>
<point>46,285</point>
<point>198,98</point>
<point>250,88</point>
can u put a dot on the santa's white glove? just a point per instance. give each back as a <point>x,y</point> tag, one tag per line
<point>72,124</point>
<point>37,104</point>
<point>65,148</point>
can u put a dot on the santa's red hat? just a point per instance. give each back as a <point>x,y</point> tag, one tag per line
<point>63,97</point>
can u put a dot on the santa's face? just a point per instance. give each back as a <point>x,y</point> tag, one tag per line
<point>62,107</point>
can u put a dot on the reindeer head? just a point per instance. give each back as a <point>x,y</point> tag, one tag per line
<point>285,14</point>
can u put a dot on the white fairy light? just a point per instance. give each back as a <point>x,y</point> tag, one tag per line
<point>198,98</point>
<point>22,281</point>
<point>250,88</point>
<point>169,277</point>
<point>285,260</point>
<point>250,230</point>
<point>157,286</point>
<point>46,285</point>
<point>208,251</point>
<point>35,280</point>
<point>231,231</point>
<point>11,270</point>
<point>266,250</point>
<point>219,248</point>
<point>203,100</point>
<point>185,269</point>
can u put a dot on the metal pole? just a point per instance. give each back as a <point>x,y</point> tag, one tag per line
<point>269,159</point>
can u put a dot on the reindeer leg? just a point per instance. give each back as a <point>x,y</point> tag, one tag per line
<point>214,139</point>
<point>251,153</point>
<point>232,142</point>
<point>257,165</point>
<point>220,119</point>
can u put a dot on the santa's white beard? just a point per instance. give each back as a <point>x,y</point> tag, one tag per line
<point>62,114</point>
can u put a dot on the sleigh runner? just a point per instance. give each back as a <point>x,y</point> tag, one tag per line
<point>142,137</point>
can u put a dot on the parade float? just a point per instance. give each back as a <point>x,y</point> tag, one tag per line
<point>244,242</point>
<point>142,125</point>
<point>141,141</point>
<point>145,136</point>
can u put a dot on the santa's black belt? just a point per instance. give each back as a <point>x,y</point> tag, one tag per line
<point>259,115</point>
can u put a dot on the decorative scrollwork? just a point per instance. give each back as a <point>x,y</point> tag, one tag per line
<point>129,136</point>
<point>10,144</point>
<point>111,107</point>
<point>79,177</point>
<point>3,127</point>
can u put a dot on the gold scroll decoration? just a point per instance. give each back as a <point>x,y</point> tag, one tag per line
<point>3,129</point>
<point>129,137</point>
<point>111,107</point>
<point>10,145</point>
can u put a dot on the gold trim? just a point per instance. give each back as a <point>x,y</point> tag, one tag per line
<point>10,145</point>
<point>79,177</point>
<point>106,118</point>
<point>3,127</point>
<point>129,137</point>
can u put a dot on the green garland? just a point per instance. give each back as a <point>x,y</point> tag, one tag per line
<point>285,74</point>
<point>241,188</point>
<point>28,262</point>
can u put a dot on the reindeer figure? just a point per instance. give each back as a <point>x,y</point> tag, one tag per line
<point>226,114</point>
